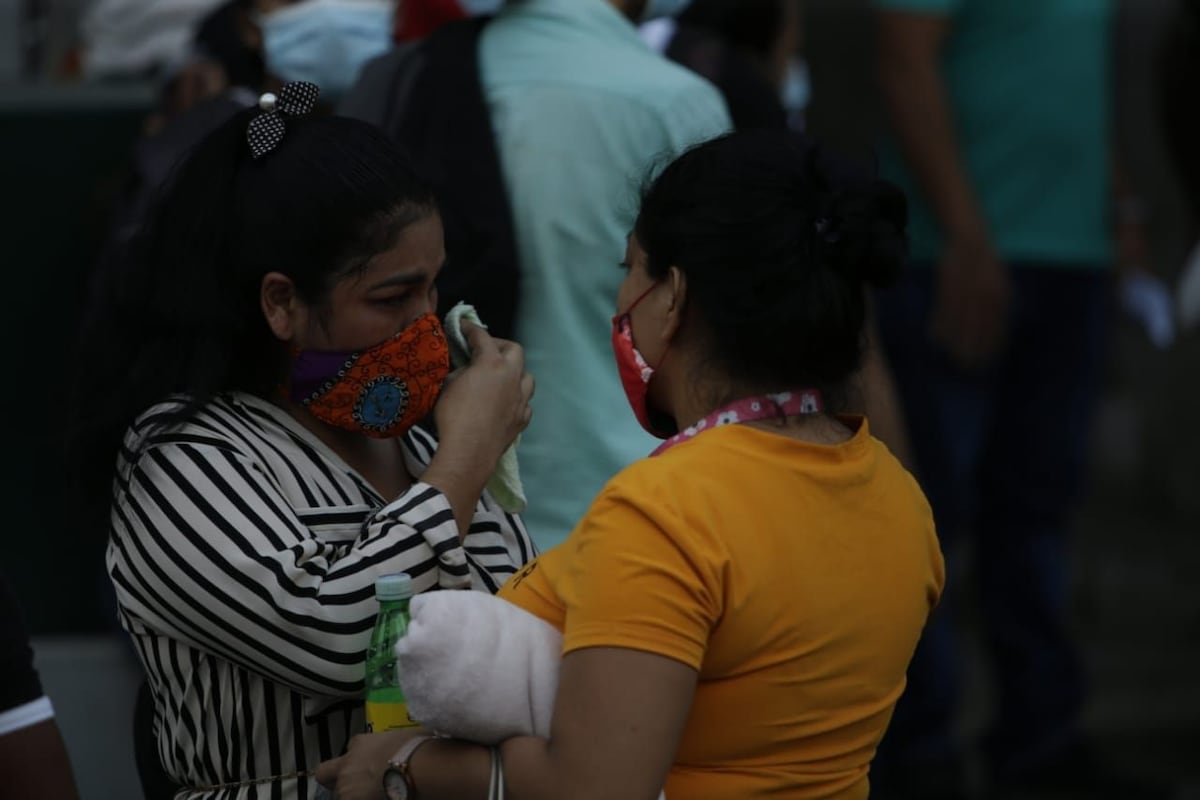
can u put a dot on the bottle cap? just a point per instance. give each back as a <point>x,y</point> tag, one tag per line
<point>394,587</point>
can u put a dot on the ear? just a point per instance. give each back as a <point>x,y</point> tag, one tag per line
<point>280,306</point>
<point>673,322</point>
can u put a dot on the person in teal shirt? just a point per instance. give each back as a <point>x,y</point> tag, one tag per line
<point>1000,134</point>
<point>581,109</point>
<point>1029,95</point>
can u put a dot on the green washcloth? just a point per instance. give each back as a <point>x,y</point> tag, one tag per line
<point>505,483</point>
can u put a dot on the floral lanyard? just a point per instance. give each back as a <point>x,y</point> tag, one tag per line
<point>751,409</point>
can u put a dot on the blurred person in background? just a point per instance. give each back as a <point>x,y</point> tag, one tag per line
<point>1001,114</point>
<point>239,50</point>
<point>137,39</point>
<point>416,19</point>
<point>33,758</point>
<point>254,45</point>
<point>580,107</point>
<point>538,124</point>
<point>750,50</point>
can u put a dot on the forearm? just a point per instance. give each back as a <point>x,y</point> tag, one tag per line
<point>447,769</point>
<point>452,770</point>
<point>460,477</point>
<point>614,707</point>
<point>922,118</point>
<point>34,763</point>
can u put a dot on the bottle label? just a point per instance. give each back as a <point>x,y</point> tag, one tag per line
<point>388,716</point>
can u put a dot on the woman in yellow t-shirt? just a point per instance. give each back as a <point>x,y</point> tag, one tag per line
<point>739,609</point>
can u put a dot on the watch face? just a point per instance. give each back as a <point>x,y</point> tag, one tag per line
<point>394,785</point>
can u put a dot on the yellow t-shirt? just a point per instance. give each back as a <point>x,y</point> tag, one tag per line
<point>795,578</point>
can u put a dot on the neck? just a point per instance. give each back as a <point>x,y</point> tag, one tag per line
<point>378,461</point>
<point>353,448</point>
<point>689,400</point>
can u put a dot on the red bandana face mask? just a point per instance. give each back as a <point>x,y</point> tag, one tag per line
<point>380,392</point>
<point>636,373</point>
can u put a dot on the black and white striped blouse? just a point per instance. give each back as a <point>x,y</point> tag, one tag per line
<point>244,554</point>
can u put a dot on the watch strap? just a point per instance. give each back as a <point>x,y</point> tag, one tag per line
<point>400,762</point>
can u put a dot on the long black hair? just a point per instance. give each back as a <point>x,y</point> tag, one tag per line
<point>178,314</point>
<point>777,238</point>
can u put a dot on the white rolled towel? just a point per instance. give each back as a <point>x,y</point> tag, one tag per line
<point>478,668</point>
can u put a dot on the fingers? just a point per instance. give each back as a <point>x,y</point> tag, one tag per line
<point>973,340</point>
<point>485,346</point>
<point>480,341</point>
<point>327,772</point>
<point>528,388</point>
<point>970,316</point>
<point>514,354</point>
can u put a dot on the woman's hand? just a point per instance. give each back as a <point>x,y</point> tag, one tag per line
<point>485,406</point>
<point>358,775</point>
<point>974,299</point>
<point>482,410</point>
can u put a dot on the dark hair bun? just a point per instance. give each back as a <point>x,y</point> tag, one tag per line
<point>862,221</point>
<point>864,234</point>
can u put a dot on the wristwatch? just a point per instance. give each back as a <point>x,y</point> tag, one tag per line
<point>397,781</point>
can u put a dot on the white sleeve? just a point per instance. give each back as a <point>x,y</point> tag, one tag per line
<point>26,716</point>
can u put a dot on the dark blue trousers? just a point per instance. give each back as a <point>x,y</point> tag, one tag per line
<point>1001,455</point>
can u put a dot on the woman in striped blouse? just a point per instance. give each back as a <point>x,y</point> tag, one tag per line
<point>255,370</point>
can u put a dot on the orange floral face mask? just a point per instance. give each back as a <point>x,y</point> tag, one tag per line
<point>380,392</point>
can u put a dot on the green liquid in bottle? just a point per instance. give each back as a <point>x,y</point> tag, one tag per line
<point>385,704</point>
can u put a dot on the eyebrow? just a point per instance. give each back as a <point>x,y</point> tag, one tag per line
<point>414,278</point>
<point>409,279</point>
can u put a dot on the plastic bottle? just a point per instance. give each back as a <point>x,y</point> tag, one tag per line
<point>386,706</point>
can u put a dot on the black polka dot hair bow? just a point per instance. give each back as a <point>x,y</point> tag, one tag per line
<point>266,130</point>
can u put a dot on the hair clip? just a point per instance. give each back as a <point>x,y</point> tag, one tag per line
<point>266,130</point>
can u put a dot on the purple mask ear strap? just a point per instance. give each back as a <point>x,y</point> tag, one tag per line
<point>314,371</point>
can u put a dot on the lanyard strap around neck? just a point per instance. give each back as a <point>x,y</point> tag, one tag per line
<point>751,409</point>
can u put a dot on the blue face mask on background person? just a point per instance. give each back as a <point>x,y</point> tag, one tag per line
<point>326,42</point>
<point>656,9</point>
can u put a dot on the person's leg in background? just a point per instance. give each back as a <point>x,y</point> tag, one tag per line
<point>949,414</point>
<point>1030,484</point>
